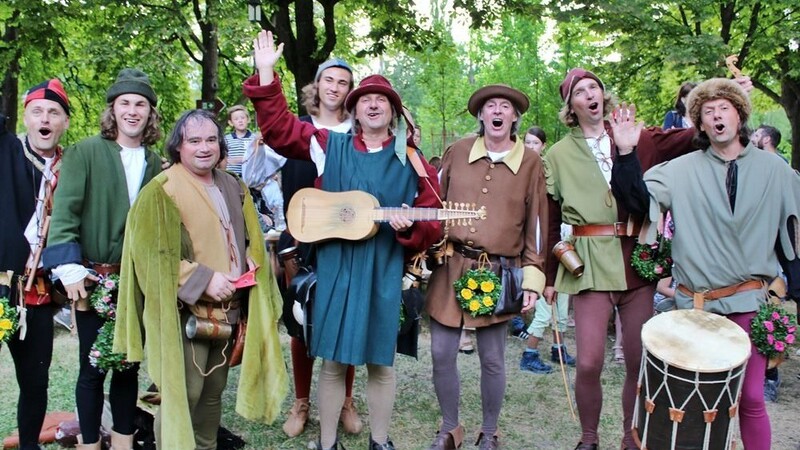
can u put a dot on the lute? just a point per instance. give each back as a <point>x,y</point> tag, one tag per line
<point>315,215</point>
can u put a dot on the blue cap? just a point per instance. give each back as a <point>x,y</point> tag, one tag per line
<point>334,62</point>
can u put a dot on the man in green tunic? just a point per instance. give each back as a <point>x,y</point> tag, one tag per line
<point>101,177</point>
<point>745,201</point>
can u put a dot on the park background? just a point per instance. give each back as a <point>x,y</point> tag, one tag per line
<point>436,53</point>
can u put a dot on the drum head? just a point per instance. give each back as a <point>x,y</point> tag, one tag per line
<point>696,340</point>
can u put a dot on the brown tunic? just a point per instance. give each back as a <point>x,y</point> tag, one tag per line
<point>514,193</point>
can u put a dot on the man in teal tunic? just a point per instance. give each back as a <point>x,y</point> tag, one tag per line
<point>101,177</point>
<point>745,201</point>
<point>356,312</point>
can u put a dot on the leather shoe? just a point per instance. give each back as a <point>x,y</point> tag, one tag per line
<point>484,443</point>
<point>582,446</point>
<point>448,440</point>
<point>351,423</point>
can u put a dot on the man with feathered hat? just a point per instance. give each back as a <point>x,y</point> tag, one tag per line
<point>357,306</point>
<point>728,199</point>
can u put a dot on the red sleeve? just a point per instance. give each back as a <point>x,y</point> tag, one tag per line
<point>656,145</point>
<point>281,129</point>
<point>422,235</point>
<point>553,236</point>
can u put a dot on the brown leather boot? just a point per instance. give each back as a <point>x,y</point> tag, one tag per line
<point>349,417</point>
<point>448,440</point>
<point>121,441</point>
<point>488,443</point>
<point>81,446</point>
<point>298,415</point>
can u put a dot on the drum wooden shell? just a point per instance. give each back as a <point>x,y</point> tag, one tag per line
<point>690,381</point>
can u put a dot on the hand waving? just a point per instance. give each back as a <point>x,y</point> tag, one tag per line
<point>626,129</point>
<point>266,55</point>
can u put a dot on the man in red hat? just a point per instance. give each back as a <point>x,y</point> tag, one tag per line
<point>491,169</point>
<point>357,306</point>
<point>29,168</point>
<point>604,233</point>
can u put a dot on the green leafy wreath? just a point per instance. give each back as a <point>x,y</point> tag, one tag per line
<point>102,355</point>
<point>104,301</point>
<point>477,291</point>
<point>9,320</point>
<point>653,261</point>
<point>772,330</point>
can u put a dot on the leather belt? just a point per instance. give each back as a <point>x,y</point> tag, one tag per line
<point>617,229</point>
<point>716,294</point>
<point>224,305</point>
<point>102,269</point>
<point>467,251</point>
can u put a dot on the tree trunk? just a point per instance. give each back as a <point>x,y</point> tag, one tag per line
<point>208,27</point>
<point>305,68</point>
<point>790,100</point>
<point>9,96</point>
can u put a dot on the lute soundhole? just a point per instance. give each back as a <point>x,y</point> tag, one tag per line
<point>347,214</point>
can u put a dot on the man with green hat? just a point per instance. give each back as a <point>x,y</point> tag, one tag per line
<point>103,175</point>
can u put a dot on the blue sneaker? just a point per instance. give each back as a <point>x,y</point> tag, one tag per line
<point>530,362</point>
<point>518,328</point>
<point>568,360</point>
<point>771,390</point>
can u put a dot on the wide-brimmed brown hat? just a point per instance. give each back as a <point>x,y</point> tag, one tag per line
<point>479,97</point>
<point>374,84</point>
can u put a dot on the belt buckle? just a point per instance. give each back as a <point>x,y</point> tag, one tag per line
<point>617,225</point>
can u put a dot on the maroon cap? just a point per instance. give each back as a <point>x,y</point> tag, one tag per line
<point>374,84</point>
<point>48,90</point>
<point>572,78</point>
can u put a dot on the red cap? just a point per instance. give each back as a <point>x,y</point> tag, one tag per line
<point>49,90</point>
<point>374,84</point>
<point>572,78</point>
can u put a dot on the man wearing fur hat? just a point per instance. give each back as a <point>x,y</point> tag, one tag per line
<point>103,176</point>
<point>29,169</point>
<point>578,169</point>
<point>357,307</point>
<point>491,169</point>
<point>738,183</point>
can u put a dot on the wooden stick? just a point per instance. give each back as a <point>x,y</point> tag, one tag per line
<point>554,313</point>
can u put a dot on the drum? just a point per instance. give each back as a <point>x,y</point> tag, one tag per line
<point>690,381</point>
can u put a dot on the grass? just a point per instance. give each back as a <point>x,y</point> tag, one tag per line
<point>535,414</point>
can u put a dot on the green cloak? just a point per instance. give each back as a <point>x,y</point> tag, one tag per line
<point>150,265</point>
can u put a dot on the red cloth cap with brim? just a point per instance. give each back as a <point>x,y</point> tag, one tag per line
<point>374,84</point>
<point>572,78</point>
<point>48,90</point>
<point>479,97</point>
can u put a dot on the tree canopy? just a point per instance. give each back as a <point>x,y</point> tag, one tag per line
<point>201,50</point>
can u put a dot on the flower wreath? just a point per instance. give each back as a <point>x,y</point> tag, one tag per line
<point>104,301</point>
<point>477,291</point>
<point>653,261</point>
<point>104,298</point>
<point>772,330</point>
<point>9,319</point>
<point>102,356</point>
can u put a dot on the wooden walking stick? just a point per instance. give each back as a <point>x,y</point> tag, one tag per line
<point>553,315</point>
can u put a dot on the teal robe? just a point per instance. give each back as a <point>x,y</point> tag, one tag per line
<point>356,312</point>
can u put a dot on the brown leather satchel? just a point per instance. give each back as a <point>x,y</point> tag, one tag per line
<point>238,343</point>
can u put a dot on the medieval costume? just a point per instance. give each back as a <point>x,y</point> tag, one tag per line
<point>167,267</point>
